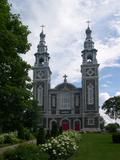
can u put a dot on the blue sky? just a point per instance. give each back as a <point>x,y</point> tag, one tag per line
<point>65,22</point>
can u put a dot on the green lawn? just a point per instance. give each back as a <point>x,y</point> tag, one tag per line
<point>97,146</point>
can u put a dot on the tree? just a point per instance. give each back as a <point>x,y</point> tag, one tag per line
<point>112,107</point>
<point>15,84</point>
<point>31,116</point>
<point>112,127</point>
<point>102,123</point>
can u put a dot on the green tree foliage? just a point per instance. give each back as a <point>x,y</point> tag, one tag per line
<point>102,123</point>
<point>112,127</point>
<point>112,107</point>
<point>24,133</point>
<point>15,88</point>
<point>40,136</point>
<point>31,117</point>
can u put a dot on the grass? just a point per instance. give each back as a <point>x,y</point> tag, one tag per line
<point>97,146</point>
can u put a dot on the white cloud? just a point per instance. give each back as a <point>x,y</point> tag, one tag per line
<point>109,53</point>
<point>108,82</point>
<point>105,76</point>
<point>117,93</point>
<point>103,97</point>
<point>65,22</point>
<point>107,118</point>
<point>105,85</point>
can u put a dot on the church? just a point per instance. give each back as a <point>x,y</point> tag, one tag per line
<point>66,105</point>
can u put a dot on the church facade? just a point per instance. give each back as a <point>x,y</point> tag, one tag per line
<point>66,105</point>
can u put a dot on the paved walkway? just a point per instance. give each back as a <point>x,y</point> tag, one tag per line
<point>3,149</point>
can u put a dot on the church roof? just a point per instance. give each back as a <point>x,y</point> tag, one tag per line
<point>64,85</point>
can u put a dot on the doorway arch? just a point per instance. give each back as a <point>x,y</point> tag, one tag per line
<point>65,123</point>
<point>77,125</point>
<point>52,123</point>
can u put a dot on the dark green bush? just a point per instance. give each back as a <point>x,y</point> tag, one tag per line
<point>25,152</point>
<point>40,136</point>
<point>60,130</point>
<point>116,138</point>
<point>1,139</point>
<point>9,138</point>
<point>54,131</point>
<point>24,133</point>
<point>111,127</point>
<point>48,135</point>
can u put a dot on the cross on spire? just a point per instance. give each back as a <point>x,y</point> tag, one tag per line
<point>88,22</point>
<point>42,26</point>
<point>65,78</point>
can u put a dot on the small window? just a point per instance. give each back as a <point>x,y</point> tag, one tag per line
<point>41,61</point>
<point>77,100</point>
<point>91,121</point>
<point>90,89</point>
<point>53,100</point>
<point>89,58</point>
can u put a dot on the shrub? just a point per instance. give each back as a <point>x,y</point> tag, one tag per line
<point>111,127</point>
<point>48,135</point>
<point>1,139</point>
<point>116,138</point>
<point>60,130</point>
<point>9,138</point>
<point>63,146</point>
<point>54,131</point>
<point>40,136</point>
<point>25,152</point>
<point>24,133</point>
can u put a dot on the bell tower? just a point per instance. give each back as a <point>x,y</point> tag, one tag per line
<point>41,74</point>
<point>90,92</point>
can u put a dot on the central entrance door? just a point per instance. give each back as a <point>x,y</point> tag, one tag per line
<point>77,126</point>
<point>65,125</point>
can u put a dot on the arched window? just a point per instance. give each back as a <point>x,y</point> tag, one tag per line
<point>53,123</point>
<point>77,125</point>
<point>65,100</point>
<point>89,58</point>
<point>90,94</point>
<point>41,61</point>
<point>77,100</point>
<point>53,100</point>
<point>65,124</point>
<point>40,95</point>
